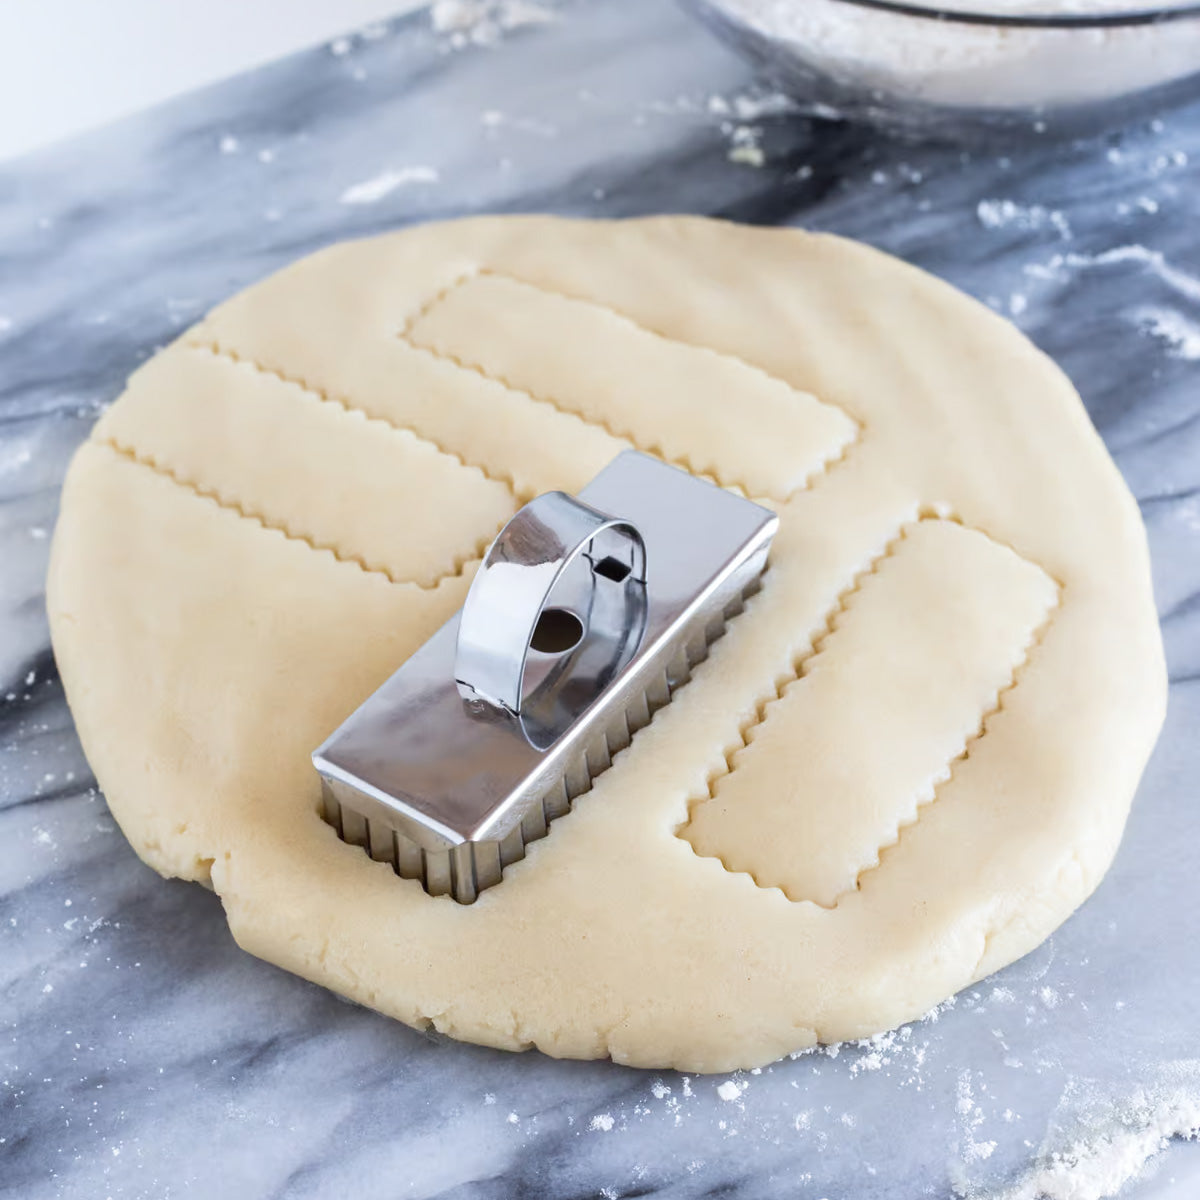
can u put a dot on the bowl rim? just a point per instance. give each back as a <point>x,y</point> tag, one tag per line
<point>1032,20</point>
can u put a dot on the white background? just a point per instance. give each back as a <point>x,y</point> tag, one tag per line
<point>68,65</point>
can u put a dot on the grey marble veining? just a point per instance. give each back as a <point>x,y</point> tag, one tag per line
<point>143,1055</point>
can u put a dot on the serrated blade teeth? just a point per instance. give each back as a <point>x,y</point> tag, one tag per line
<point>465,870</point>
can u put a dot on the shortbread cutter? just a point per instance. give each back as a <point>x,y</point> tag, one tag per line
<point>584,617</point>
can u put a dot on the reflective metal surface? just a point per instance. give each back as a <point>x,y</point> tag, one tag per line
<point>532,559</point>
<point>449,786</point>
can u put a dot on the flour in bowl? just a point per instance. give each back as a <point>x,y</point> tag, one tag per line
<point>951,63</point>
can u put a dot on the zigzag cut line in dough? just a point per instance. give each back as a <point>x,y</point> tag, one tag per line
<point>217,350</point>
<point>802,664</point>
<point>236,509</point>
<point>622,435</point>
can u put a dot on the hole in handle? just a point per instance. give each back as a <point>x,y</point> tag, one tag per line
<point>557,631</point>
<point>612,568</point>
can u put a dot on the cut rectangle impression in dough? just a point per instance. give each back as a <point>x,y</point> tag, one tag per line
<point>664,396</point>
<point>918,654</point>
<point>280,452</point>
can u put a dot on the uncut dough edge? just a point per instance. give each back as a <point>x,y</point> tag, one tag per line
<point>265,897</point>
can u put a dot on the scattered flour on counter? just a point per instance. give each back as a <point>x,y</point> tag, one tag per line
<point>601,1123</point>
<point>768,104</point>
<point>737,112</point>
<point>229,144</point>
<point>729,1090</point>
<point>752,106</point>
<point>879,1050</point>
<point>483,22</point>
<point>1153,260</point>
<point>932,1016</point>
<point>1005,214</point>
<point>1111,1142</point>
<point>748,154</point>
<point>371,191</point>
<point>1181,335</point>
<point>969,1118</point>
<point>341,46</point>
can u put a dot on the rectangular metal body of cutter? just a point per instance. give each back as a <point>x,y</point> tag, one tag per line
<point>449,789</point>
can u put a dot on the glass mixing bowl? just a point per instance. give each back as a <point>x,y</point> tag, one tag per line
<point>1070,66</point>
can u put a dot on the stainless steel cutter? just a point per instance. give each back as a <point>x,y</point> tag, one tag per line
<point>584,617</point>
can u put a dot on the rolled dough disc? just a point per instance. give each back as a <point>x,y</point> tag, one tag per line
<point>905,764</point>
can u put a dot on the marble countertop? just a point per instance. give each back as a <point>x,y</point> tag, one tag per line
<point>143,1055</point>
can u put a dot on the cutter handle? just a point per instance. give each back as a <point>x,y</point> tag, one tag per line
<point>510,594</point>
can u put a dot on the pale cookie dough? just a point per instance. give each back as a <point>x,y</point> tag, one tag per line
<point>906,763</point>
